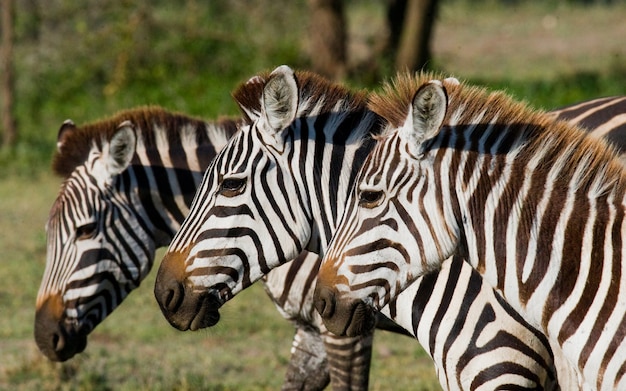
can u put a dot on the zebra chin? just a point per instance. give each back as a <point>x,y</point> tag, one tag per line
<point>54,339</point>
<point>341,316</point>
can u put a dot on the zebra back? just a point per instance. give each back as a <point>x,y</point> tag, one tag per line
<point>603,117</point>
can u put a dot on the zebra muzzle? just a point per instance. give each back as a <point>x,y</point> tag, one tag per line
<point>183,307</point>
<point>54,339</point>
<point>343,316</point>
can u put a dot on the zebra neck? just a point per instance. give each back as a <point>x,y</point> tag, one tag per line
<point>539,235</point>
<point>164,176</point>
<point>162,196</point>
<point>329,163</point>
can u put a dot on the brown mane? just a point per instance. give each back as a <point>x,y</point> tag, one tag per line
<point>393,102</point>
<point>78,143</point>
<point>543,131</point>
<point>311,86</point>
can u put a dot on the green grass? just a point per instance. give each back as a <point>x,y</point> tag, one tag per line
<point>189,59</point>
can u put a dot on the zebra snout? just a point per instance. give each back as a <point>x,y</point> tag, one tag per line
<point>51,336</point>
<point>183,307</point>
<point>168,289</point>
<point>324,301</point>
<point>343,316</point>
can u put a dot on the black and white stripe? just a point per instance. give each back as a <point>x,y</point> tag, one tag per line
<point>536,206</point>
<point>278,188</point>
<point>129,181</point>
<point>103,230</point>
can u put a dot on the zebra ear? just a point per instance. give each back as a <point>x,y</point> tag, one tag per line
<point>280,100</point>
<point>426,113</point>
<point>121,149</point>
<point>66,129</point>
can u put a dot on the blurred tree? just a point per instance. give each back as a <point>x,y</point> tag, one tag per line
<point>7,85</point>
<point>29,11</point>
<point>327,34</point>
<point>395,21</point>
<point>412,40</point>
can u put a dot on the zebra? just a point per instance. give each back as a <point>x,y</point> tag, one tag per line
<point>278,188</point>
<point>603,117</point>
<point>461,171</point>
<point>129,181</point>
<point>288,285</point>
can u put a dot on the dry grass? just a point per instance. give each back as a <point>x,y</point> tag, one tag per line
<point>533,41</point>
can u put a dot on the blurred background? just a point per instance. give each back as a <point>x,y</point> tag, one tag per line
<point>86,60</point>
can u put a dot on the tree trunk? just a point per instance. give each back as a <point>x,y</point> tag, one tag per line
<point>328,38</point>
<point>396,9</point>
<point>414,46</point>
<point>7,83</point>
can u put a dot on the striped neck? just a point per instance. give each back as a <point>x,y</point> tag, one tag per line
<point>166,172</point>
<point>330,158</point>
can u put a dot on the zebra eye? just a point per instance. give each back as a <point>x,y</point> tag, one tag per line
<point>86,231</point>
<point>370,198</point>
<point>231,187</point>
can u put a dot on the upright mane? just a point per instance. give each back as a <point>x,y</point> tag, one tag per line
<point>313,88</point>
<point>567,145</point>
<point>77,143</point>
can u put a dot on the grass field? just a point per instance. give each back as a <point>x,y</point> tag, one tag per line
<point>135,348</point>
<point>548,55</point>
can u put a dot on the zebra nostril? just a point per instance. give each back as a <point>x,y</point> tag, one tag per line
<point>58,342</point>
<point>169,288</point>
<point>324,302</point>
<point>169,293</point>
<point>174,298</point>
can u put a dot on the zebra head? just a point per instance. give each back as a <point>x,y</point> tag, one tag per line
<point>262,198</point>
<point>366,263</point>
<point>240,225</point>
<point>85,277</point>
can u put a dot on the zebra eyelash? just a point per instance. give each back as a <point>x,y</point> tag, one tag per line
<point>86,231</point>
<point>230,187</point>
<point>370,198</point>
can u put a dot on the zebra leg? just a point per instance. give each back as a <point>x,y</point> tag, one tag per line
<point>308,366</point>
<point>349,360</point>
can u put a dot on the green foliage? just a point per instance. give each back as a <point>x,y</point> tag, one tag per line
<point>86,60</point>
